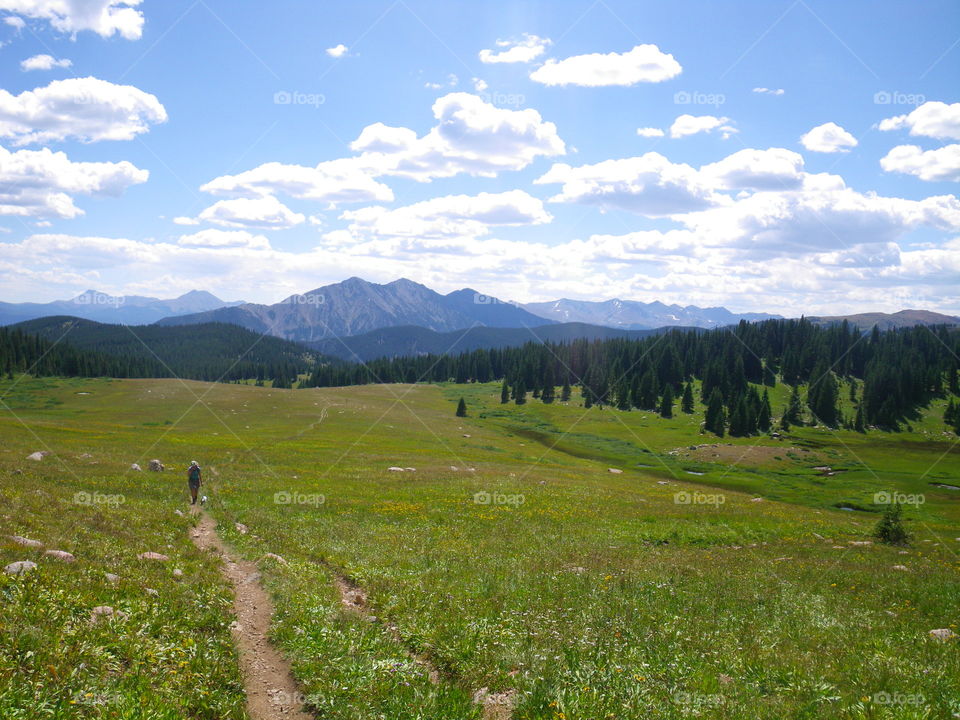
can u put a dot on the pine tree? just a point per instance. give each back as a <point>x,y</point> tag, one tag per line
<point>765,413</point>
<point>714,418</point>
<point>739,420</point>
<point>504,392</point>
<point>890,529</point>
<point>565,392</point>
<point>858,423</point>
<point>791,414</point>
<point>520,392</point>
<point>686,402</point>
<point>548,394</point>
<point>666,403</point>
<point>461,408</point>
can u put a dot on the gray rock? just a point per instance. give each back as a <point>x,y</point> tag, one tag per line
<point>136,468</point>
<point>153,556</point>
<point>19,567</point>
<point>111,577</point>
<point>61,555</point>
<point>37,456</point>
<point>155,466</point>
<point>943,634</point>
<point>25,542</point>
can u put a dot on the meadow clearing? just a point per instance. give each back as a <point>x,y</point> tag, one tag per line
<point>576,564</point>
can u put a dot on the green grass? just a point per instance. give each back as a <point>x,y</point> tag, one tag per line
<point>597,596</point>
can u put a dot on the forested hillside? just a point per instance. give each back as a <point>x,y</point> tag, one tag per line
<point>888,375</point>
<point>213,351</point>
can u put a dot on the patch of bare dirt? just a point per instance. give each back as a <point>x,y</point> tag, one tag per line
<point>272,693</point>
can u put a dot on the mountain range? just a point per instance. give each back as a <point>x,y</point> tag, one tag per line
<point>121,310</point>
<point>633,315</point>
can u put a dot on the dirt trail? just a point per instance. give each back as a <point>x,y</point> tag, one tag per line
<point>271,690</point>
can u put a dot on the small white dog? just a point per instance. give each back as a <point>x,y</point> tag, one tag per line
<point>203,500</point>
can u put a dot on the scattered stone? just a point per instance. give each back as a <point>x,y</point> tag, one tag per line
<point>152,556</point>
<point>395,469</point>
<point>275,558</point>
<point>61,555</point>
<point>37,456</point>
<point>151,591</point>
<point>615,471</point>
<point>904,552</point>
<point>663,482</point>
<point>111,577</point>
<point>103,612</point>
<point>453,467</point>
<point>177,573</point>
<point>84,456</point>
<point>902,568</point>
<point>861,543</point>
<point>179,512</point>
<point>136,468</point>
<point>839,547</point>
<point>156,466</point>
<point>241,528</point>
<point>25,542</point>
<point>410,469</point>
<point>466,434</point>
<point>756,499</point>
<point>18,471</point>
<point>943,634</point>
<point>496,706</point>
<point>19,567</point>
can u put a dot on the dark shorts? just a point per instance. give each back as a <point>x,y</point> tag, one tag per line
<point>194,484</point>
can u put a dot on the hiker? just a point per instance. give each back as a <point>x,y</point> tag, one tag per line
<point>193,479</point>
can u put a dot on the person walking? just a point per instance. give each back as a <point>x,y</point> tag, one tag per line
<point>194,481</point>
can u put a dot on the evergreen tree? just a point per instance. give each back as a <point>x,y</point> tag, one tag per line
<point>890,529</point>
<point>461,408</point>
<point>715,418</point>
<point>791,414</point>
<point>520,392</point>
<point>765,414</point>
<point>822,395</point>
<point>858,423</point>
<point>565,391</point>
<point>686,402</point>
<point>504,393</point>
<point>548,394</point>
<point>666,403</point>
<point>739,419</point>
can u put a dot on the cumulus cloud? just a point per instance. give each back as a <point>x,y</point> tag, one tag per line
<point>649,132</point>
<point>41,183</point>
<point>44,62</point>
<point>450,216</point>
<point>649,185</point>
<point>931,165</point>
<point>644,63</point>
<point>87,109</point>
<point>828,138</point>
<point>265,213</point>
<point>213,238</point>
<point>932,119</point>
<point>524,50</point>
<point>751,169</point>
<point>104,17</point>
<point>686,125</point>
<point>337,51</point>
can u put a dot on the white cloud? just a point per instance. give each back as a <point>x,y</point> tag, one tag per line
<point>450,216</point>
<point>333,181</point>
<point>649,132</point>
<point>337,51</point>
<point>828,138</point>
<point>213,238</point>
<point>649,185</point>
<point>44,62</point>
<point>644,63</point>
<point>17,23</point>
<point>686,125</point>
<point>768,91</point>
<point>40,183</point>
<point>479,85</point>
<point>88,109</point>
<point>104,17</point>
<point>931,165</point>
<point>772,169</point>
<point>265,212</point>
<point>516,51</point>
<point>932,119</point>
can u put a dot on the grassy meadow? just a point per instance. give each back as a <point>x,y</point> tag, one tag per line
<point>708,578</point>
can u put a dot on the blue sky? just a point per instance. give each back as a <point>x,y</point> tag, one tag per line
<point>792,156</point>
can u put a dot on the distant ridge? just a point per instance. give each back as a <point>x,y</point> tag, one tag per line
<point>889,321</point>
<point>634,315</point>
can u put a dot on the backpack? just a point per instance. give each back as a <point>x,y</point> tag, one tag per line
<point>194,473</point>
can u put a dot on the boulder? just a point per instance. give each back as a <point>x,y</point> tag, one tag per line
<point>19,567</point>
<point>112,578</point>
<point>155,466</point>
<point>902,568</point>
<point>395,469</point>
<point>136,468</point>
<point>177,573</point>
<point>25,542</point>
<point>241,528</point>
<point>615,471</point>
<point>37,456</point>
<point>153,556</point>
<point>60,555</point>
<point>275,558</point>
<point>943,634</point>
